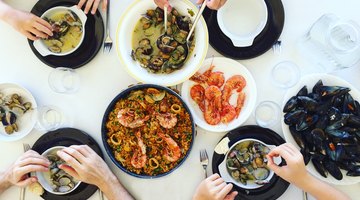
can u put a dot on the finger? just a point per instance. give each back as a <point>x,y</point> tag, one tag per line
<point>30,153</point>
<point>231,196</point>
<point>81,3</point>
<point>213,4</point>
<point>31,168</point>
<point>220,187</point>
<point>288,149</point>
<point>30,36</point>
<point>26,182</point>
<point>104,5</point>
<point>221,5</point>
<point>291,147</point>
<point>82,149</point>
<point>35,161</point>
<point>218,181</point>
<point>88,6</point>
<point>38,33</point>
<point>45,23</point>
<point>90,150</point>
<point>69,160</point>
<point>95,6</point>
<point>225,190</point>
<point>43,29</point>
<point>75,154</point>
<point>69,170</point>
<point>213,177</point>
<point>199,1</point>
<point>272,165</point>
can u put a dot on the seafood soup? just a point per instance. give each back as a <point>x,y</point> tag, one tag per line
<point>156,52</point>
<point>246,163</point>
<point>149,131</point>
<point>67,30</point>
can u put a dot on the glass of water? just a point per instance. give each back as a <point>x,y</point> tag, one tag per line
<point>267,114</point>
<point>285,74</point>
<point>49,118</point>
<point>64,80</point>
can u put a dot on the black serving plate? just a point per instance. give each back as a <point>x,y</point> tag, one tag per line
<point>94,35</point>
<point>68,137</point>
<point>263,42</point>
<point>277,185</point>
<point>111,106</point>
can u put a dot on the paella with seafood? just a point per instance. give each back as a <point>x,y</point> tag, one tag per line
<point>149,131</point>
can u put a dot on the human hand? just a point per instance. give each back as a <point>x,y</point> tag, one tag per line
<point>84,164</point>
<point>162,3</point>
<point>214,188</point>
<point>93,3</point>
<point>295,171</point>
<point>29,24</point>
<point>213,4</point>
<point>30,161</point>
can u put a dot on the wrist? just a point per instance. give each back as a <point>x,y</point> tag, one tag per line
<point>5,12</point>
<point>305,182</point>
<point>4,180</point>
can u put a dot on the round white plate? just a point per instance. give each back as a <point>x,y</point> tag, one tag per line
<point>26,122</point>
<point>310,81</point>
<point>229,67</point>
<point>124,44</point>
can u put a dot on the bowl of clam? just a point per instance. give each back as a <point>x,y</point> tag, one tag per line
<point>56,180</point>
<point>68,25</point>
<point>245,164</point>
<point>153,52</point>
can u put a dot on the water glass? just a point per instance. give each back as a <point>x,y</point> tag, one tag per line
<point>332,43</point>
<point>64,80</point>
<point>285,74</point>
<point>49,118</point>
<point>267,114</point>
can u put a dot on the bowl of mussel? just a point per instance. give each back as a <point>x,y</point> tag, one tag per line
<point>56,180</point>
<point>68,25</point>
<point>153,53</point>
<point>245,164</point>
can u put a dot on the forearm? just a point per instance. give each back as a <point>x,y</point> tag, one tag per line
<point>113,189</point>
<point>4,183</point>
<point>321,190</point>
<point>5,11</point>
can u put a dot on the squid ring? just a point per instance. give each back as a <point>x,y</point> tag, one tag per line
<point>153,163</point>
<point>176,108</point>
<point>114,140</point>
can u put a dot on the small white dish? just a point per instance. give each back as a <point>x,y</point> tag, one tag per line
<point>40,45</point>
<point>225,174</point>
<point>124,46</point>
<point>25,122</point>
<point>242,20</point>
<point>44,177</point>
<point>229,68</point>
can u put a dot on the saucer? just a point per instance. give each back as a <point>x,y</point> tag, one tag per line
<point>263,42</point>
<point>94,35</point>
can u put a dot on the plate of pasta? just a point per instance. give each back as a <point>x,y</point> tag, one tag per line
<point>148,131</point>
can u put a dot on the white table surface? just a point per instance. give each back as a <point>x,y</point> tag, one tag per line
<point>104,77</point>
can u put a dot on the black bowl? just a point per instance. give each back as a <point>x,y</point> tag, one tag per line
<point>124,94</point>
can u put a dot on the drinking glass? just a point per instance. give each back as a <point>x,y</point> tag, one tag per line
<point>49,118</point>
<point>64,80</point>
<point>267,114</point>
<point>285,74</point>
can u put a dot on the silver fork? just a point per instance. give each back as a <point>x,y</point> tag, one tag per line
<point>204,160</point>
<point>108,41</point>
<point>26,148</point>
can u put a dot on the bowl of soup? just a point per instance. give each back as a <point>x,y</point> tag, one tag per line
<point>68,25</point>
<point>151,55</point>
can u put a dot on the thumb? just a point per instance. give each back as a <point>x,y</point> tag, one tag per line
<point>71,171</point>
<point>272,165</point>
<point>231,196</point>
<point>26,182</point>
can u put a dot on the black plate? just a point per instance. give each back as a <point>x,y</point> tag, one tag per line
<point>94,35</point>
<point>277,185</point>
<point>68,137</point>
<point>263,42</point>
<point>124,94</point>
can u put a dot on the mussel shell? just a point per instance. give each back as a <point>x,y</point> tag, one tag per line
<point>330,91</point>
<point>303,91</point>
<point>8,118</point>
<point>333,169</point>
<point>291,104</point>
<point>308,104</point>
<point>261,173</point>
<point>319,167</point>
<point>316,88</point>
<point>298,137</point>
<point>354,172</point>
<point>294,117</point>
<point>307,122</point>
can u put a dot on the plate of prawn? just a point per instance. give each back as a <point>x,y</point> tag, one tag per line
<point>221,95</point>
<point>148,131</point>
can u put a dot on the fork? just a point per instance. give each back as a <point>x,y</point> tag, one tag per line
<point>277,47</point>
<point>108,41</point>
<point>26,148</point>
<point>204,160</point>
